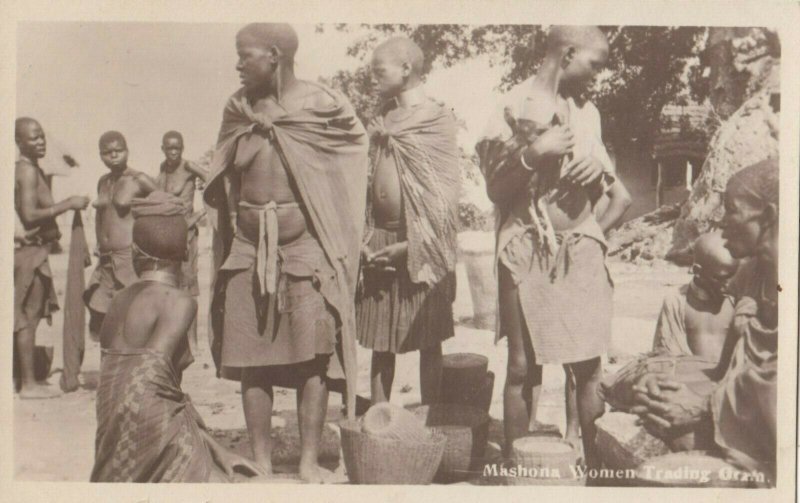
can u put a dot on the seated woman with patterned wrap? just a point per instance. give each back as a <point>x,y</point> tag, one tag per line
<point>147,429</point>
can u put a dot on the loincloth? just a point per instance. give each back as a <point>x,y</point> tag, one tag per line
<point>31,264</point>
<point>292,325</point>
<point>147,429</point>
<point>566,298</point>
<point>113,273</point>
<point>396,315</point>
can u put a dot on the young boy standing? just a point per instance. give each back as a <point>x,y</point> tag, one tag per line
<point>113,227</point>
<point>181,178</point>
<point>546,167</point>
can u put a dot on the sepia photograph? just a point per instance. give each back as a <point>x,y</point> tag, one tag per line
<point>358,253</point>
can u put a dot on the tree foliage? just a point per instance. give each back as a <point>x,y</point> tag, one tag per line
<point>649,66</point>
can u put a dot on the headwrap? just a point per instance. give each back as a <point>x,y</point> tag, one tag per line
<point>159,228</point>
<point>760,182</point>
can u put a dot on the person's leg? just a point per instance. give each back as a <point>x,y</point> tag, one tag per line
<point>590,405</point>
<point>382,376</point>
<point>430,373</point>
<point>26,343</point>
<point>521,374</point>
<point>571,400</point>
<point>312,398</point>
<point>257,404</point>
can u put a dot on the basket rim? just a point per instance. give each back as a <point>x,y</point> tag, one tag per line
<point>482,417</point>
<point>352,426</point>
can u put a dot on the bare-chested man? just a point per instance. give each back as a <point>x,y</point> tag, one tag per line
<point>180,177</point>
<point>113,227</point>
<point>34,292</point>
<point>289,183</point>
<point>405,302</point>
<point>546,167</point>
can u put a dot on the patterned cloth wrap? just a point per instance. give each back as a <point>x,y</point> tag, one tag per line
<point>147,429</point>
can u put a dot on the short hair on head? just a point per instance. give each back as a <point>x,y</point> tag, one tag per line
<point>161,237</point>
<point>581,37</point>
<point>406,50</point>
<point>269,35</point>
<point>21,123</point>
<point>172,134</point>
<point>112,136</point>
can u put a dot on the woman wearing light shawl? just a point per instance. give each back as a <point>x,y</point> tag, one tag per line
<point>405,301</point>
<point>286,197</point>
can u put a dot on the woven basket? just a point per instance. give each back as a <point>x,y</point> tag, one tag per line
<point>467,432</point>
<point>392,422</point>
<point>374,460</point>
<point>550,459</point>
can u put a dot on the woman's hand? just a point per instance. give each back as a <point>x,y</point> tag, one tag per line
<point>668,408</point>
<point>389,256</point>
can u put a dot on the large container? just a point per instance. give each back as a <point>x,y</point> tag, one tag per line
<point>374,460</point>
<point>476,250</point>
<point>464,379</point>
<point>467,432</point>
<point>544,461</point>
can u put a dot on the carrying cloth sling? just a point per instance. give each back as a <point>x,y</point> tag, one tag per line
<point>74,312</point>
<point>423,149</point>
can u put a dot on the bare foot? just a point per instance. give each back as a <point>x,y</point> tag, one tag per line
<point>312,473</point>
<point>574,440</point>
<point>265,466</point>
<point>38,391</point>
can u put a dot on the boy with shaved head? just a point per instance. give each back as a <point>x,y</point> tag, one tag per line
<point>405,299</point>
<point>180,177</point>
<point>113,227</point>
<point>286,199</point>
<point>695,319</point>
<point>34,292</point>
<point>546,167</point>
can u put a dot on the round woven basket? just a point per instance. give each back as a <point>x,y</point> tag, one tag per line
<point>374,460</point>
<point>467,432</point>
<point>688,469</point>
<point>548,461</point>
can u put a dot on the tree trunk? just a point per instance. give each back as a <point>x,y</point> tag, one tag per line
<point>745,93</point>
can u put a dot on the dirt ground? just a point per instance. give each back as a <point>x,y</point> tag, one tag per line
<point>54,439</point>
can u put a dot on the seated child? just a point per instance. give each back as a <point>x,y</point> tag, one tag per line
<point>695,319</point>
<point>147,429</point>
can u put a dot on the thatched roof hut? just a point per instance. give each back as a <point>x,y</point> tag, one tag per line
<point>684,132</point>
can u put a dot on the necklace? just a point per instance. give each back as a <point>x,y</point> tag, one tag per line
<point>164,277</point>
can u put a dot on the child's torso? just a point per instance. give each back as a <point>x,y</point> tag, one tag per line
<point>113,224</point>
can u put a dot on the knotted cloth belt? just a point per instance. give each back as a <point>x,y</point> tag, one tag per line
<point>267,243</point>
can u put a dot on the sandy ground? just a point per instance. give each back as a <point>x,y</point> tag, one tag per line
<point>54,439</point>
